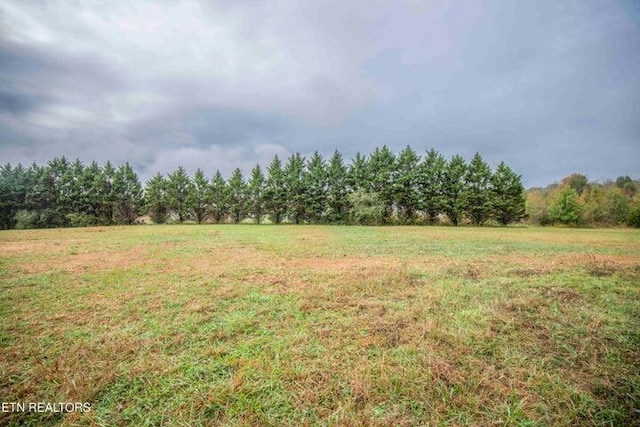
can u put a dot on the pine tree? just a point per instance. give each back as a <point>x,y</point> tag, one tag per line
<point>406,183</point>
<point>60,184</point>
<point>454,191</point>
<point>92,183</point>
<point>219,198</point>
<point>381,170</point>
<point>14,184</point>
<point>178,188</point>
<point>316,188</point>
<point>275,191</point>
<point>107,202</point>
<point>128,194</point>
<point>358,174</point>
<point>507,195</point>
<point>294,174</point>
<point>430,185</point>
<point>237,196</point>
<point>256,190</point>
<point>199,199</point>
<point>337,204</point>
<point>156,199</point>
<point>477,183</point>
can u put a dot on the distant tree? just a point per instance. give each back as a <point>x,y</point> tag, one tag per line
<point>406,179</point>
<point>156,199</point>
<point>507,195</point>
<point>179,186</point>
<point>431,185</point>
<point>630,189</point>
<point>238,206</point>
<point>381,170</point>
<point>537,206</point>
<point>14,184</point>
<point>107,199</point>
<point>93,183</point>
<point>566,208</point>
<point>275,191</point>
<point>295,188</point>
<point>315,185</point>
<point>75,192</point>
<point>256,193</point>
<point>595,209</point>
<point>454,190</point>
<point>219,198</point>
<point>576,181</point>
<point>633,220</point>
<point>337,203</point>
<point>128,194</point>
<point>358,176</point>
<point>60,185</point>
<point>618,207</point>
<point>40,199</point>
<point>199,199</point>
<point>621,181</point>
<point>479,196</point>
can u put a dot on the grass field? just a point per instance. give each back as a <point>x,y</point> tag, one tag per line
<point>311,325</point>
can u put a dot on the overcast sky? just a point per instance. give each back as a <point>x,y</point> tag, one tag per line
<point>549,86</point>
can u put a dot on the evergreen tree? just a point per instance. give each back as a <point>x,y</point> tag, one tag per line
<point>237,196</point>
<point>316,188</point>
<point>14,184</point>
<point>128,194</point>
<point>40,199</point>
<point>337,204</point>
<point>294,174</point>
<point>406,184</point>
<point>92,184</point>
<point>179,186</point>
<point>454,189</point>
<point>75,196</point>
<point>478,197</point>
<point>358,174</point>
<point>60,185</point>
<point>219,198</point>
<point>430,185</point>
<point>107,202</point>
<point>507,195</point>
<point>381,170</point>
<point>199,199</point>
<point>275,191</point>
<point>157,204</point>
<point>256,193</point>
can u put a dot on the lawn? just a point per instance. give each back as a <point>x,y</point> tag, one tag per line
<point>321,325</point>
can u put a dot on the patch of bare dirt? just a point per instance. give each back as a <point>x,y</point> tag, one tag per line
<point>90,261</point>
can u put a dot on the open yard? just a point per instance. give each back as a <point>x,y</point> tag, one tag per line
<point>321,325</point>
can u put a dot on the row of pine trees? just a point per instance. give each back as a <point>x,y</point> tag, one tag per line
<point>381,188</point>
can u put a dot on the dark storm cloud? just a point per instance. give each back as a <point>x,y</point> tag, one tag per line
<point>550,87</point>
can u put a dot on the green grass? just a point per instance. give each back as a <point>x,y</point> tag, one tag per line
<point>305,325</point>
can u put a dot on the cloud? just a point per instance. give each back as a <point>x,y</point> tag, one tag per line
<point>232,83</point>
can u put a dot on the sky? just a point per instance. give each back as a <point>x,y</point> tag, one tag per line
<point>549,87</point>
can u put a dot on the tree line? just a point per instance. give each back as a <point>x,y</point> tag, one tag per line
<point>382,188</point>
<point>576,201</point>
